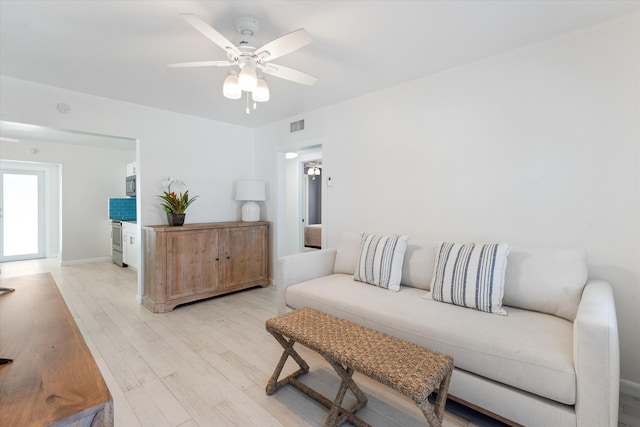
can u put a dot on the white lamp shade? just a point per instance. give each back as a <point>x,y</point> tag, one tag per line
<point>230,88</point>
<point>261,92</point>
<point>250,190</point>
<point>248,80</point>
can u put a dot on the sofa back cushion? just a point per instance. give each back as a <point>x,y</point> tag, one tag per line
<point>419,263</point>
<point>347,251</point>
<point>548,280</point>
<point>417,268</point>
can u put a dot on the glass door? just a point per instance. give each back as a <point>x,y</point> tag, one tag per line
<point>22,215</point>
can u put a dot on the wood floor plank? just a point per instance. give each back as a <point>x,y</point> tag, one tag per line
<point>123,414</point>
<point>118,366</point>
<point>145,408</point>
<point>201,408</point>
<point>166,402</point>
<point>278,410</point>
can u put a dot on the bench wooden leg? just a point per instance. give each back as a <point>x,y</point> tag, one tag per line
<point>273,383</point>
<point>435,413</point>
<point>339,415</point>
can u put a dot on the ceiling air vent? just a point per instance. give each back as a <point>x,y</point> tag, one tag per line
<point>296,126</point>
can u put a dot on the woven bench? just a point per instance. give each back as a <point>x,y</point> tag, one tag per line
<point>412,370</point>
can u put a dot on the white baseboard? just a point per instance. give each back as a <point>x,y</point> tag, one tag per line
<point>630,387</point>
<point>84,261</point>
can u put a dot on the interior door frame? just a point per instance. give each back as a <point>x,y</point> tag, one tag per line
<point>41,214</point>
<point>281,196</point>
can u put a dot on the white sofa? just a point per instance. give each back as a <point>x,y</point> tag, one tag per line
<point>552,361</point>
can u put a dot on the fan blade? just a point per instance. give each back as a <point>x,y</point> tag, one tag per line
<point>283,45</point>
<point>289,74</point>
<point>210,33</point>
<point>201,64</point>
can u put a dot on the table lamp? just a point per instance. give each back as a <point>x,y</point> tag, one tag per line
<point>250,191</point>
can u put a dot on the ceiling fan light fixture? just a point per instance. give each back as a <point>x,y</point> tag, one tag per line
<point>248,79</point>
<point>230,88</point>
<point>261,92</point>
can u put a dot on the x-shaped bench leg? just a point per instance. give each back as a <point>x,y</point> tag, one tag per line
<point>435,413</point>
<point>273,383</point>
<point>338,415</point>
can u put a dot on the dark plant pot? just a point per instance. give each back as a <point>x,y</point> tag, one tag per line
<point>175,219</point>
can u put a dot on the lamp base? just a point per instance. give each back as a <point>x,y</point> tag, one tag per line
<point>250,212</point>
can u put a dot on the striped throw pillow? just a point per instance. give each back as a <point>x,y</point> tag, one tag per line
<point>471,275</point>
<point>380,260</point>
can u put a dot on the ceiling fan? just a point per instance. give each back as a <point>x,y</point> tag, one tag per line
<point>251,60</point>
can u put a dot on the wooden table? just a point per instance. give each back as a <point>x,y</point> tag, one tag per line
<point>53,378</point>
<point>408,368</point>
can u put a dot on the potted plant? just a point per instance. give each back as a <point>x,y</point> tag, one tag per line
<point>175,204</point>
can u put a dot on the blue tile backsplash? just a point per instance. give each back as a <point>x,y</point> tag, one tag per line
<point>122,208</point>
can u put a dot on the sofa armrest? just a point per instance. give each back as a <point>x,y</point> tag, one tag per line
<point>596,356</point>
<point>301,267</point>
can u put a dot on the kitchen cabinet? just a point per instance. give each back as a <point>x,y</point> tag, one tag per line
<point>130,244</point>
<point>132,169</point>
<point>197,261</point>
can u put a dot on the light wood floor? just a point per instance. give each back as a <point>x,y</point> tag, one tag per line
<point>203,364</point>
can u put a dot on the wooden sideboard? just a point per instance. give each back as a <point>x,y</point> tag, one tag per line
<point>197,261</point>
<point>53,379</point>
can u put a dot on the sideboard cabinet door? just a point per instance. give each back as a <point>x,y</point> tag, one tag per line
<point>245,256</point>
<point>194,263</point>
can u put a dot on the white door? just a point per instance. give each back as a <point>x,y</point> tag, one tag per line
<point>22,215</point>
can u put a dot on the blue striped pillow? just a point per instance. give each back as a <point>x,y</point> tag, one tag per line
<point>380,260</point>
<point>471,275</point>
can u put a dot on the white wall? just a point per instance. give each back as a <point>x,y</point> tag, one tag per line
<point>208,155</point>
<point>539,145</point>
<point>292,211</point>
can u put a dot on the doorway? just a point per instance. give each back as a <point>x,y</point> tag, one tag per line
<point>292,212</point>
<point>311,205</point>
<point>22,215</point>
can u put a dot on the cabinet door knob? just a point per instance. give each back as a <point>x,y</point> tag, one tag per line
<point>228,257</point>
<point>217,259</point>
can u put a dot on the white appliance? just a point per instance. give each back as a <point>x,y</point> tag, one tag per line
<point>116,243</point>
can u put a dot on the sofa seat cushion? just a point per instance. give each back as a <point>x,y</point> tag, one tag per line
<point>528,350</point>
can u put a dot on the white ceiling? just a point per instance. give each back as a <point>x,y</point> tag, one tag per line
<point>119,49</point>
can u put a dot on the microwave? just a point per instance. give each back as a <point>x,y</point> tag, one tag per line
<point>131,186</point>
